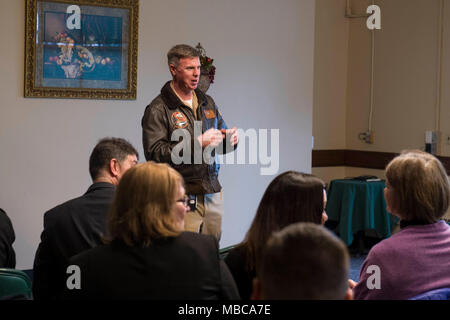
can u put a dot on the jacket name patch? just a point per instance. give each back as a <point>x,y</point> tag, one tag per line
<point>209,114</point>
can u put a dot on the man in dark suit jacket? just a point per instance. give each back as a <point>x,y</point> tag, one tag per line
<point>7,237</point>
<point>80,223</point>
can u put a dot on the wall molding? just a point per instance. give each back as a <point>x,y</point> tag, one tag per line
<point>360,159</point>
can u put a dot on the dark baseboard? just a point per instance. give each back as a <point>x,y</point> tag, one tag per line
<point>328,158</point>
<point>351,158</point>
<point>359,159</point>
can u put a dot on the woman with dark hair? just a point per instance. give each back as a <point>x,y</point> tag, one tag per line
<point>148,255</point>
<point>291,197</point>
<point>416,259</point>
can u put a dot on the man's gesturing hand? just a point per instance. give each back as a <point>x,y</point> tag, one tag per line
<point>233,134</point>
<point>211,137</point>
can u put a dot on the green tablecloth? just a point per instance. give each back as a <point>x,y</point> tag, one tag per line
<point>357,206</point>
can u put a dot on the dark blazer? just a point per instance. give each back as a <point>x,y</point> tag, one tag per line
<point>70,228</point>
<point>185,267</point>
<point>236,261</point>
<point>7,237</point>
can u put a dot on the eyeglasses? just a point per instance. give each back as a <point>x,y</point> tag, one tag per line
<point>185,200</point>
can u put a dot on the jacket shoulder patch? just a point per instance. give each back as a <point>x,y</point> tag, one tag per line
<point>179,120</point>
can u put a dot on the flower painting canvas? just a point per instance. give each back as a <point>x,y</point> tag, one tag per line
<point>93,52</point>
<point>82,49</point>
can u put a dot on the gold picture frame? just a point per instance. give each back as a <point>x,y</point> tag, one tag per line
<point>83,49</point>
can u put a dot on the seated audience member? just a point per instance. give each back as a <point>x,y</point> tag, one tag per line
<point>291,197</point>
<point>80,223</point>
<point>148,255</point>
<point>7,237</point>
<point>304,261</point>
<point>416,259</point>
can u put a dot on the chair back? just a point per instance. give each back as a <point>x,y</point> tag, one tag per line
<point>14,284</point>
<point>224,252</point>
<point>438,294</point>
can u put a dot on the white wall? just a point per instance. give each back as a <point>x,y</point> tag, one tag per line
<point>405,73</point>
<point>330,75</point>
<point>330,82</point>
<point>405,79</point>
<point>263,52</point>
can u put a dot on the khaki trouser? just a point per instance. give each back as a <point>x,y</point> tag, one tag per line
<point>207,218</point>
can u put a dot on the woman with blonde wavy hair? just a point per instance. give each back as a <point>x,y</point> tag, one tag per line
<point>415,260</point>
<point>148,255</point>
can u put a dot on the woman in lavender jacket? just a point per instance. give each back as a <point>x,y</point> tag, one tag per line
<point>417,258</point>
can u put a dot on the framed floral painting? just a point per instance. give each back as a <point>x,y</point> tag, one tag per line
<point>81,49</point>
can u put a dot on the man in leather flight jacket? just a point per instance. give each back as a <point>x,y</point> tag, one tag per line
<point>182,106</point>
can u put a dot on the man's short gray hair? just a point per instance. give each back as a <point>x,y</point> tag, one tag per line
<point>181,51</point>
<point>304,261</point>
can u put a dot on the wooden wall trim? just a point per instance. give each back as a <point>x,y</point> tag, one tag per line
<point>446,162</point>
<point>368,159</point>
<point>328,158</point>
<point>360,159</point>
<point>351,158</point>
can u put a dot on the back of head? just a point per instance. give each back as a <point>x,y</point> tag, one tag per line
<point>141,211</point>
<point>420,185</point>
<point>181,51</point>
<point>291,197</point>
<point>107,149</point>
<point>304,261</point>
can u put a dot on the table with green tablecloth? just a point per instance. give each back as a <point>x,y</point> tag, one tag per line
<point>358,205</point>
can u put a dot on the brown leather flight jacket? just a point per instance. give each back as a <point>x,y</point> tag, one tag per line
<point>167,113</point>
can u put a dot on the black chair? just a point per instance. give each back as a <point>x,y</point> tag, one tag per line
<point>438,294</point>
<point>224,252</point>
<point>14,284</point>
